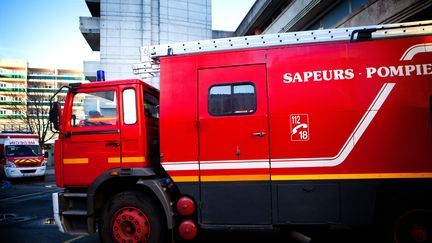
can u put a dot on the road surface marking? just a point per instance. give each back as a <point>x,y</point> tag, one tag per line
<point>74,239</point>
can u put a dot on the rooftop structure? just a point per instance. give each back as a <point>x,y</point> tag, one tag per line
<point>119,28</point>
<point>273,16</point>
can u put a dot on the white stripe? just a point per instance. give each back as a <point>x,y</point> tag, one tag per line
<point>340,157</point>
<point>241,165</point>
<point>416,49</point>
<point>233,161</point>
<point>174,166</point>
<point>215,165</point>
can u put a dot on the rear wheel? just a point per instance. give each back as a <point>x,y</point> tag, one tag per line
<point>413,226</point>
<point>132,217</point>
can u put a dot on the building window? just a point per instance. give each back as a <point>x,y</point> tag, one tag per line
<point>232,99</point>
<point>336,14</point>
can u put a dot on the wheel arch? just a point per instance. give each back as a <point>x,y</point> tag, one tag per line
<point>144,180</point>
<point>390,194</point>
<point>395,199</point>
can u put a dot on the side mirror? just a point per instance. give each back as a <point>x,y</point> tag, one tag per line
<point>54,115</point>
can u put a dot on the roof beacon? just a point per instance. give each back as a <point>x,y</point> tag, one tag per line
<point>100,75</point>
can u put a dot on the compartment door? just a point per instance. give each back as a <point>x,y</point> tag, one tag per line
<point>233,145</point>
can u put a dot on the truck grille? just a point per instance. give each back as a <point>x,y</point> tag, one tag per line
<point>28,171</point>
<point>27,165</point>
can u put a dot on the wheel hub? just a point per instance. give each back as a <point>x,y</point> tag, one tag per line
<point>419,233</point>
<point>413,227</point>
<point>130,224</point>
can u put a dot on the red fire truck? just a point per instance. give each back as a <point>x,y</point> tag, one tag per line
<point>21,155</point>
<point>259,132</point>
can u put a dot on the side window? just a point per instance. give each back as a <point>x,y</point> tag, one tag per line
<point>232,99</point>
<point>94,109</point>
<point>151,106</point>
<point>129,106</point>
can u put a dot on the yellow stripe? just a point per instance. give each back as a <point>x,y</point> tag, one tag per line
<point>114,160</point>
<point>236,178</point>
<point>350,176</point>
<point>133,159</point>
<point>127,159</point>
<point>76,161</point>
<point>185,178</point>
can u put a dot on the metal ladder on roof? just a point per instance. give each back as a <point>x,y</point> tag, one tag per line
<point>149,66</point>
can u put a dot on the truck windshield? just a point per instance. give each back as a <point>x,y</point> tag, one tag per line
<point>94,109</point>
<point>23,150</point>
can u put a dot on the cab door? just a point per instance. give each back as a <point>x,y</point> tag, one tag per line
<point>233,145</point>
<point>92,143</point>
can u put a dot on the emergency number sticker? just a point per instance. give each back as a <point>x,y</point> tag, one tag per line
<point>299,127</point>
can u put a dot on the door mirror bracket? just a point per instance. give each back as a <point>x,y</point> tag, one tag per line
<point>54,116</point>
<point>55,112</point>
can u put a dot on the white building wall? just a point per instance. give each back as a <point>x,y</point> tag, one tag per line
<point>126,25</point>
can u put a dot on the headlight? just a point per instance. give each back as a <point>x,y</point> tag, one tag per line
<point>43,163</point>
<point>11,164</point>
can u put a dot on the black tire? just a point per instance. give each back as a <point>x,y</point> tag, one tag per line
<point>407,220</point>
<point>2,173</point>
<point>413,225</point>
<point>132,216</point>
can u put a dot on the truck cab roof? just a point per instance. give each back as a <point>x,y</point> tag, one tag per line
<point>112,83</point>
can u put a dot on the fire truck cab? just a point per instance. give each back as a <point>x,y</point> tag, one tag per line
<point>307,128</point>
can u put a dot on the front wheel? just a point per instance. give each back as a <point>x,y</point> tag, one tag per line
<point>2,173</point>
<point>132,217</point>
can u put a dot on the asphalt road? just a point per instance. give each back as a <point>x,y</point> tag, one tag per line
<point>26,212</point>
<point>26,216</point>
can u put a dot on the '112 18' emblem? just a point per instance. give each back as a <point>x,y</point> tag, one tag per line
<point>299,127</point>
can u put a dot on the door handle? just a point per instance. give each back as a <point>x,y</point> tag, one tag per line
<point>258,134</point>
<point>112,144</point>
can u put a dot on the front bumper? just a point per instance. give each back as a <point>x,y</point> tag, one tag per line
<point>25,172</point>
<point>56,211</point>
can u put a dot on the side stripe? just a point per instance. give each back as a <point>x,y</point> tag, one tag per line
<point>139,159</point>
<point>75,161</point>
<point>185,178</point>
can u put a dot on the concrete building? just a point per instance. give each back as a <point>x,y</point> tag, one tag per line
<point>276,16</point>
<point>118,28</point>
<point>13,81</point>
<point>23,88</point>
